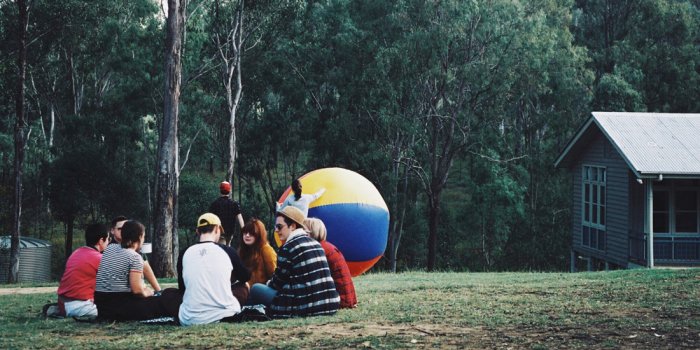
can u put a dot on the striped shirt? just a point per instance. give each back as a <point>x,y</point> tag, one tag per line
<point>303,280</point>
<point>113,273</point>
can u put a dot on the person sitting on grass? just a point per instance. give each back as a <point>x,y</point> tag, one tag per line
<point>120,293</point>
<point>76,291</point>
<point>205,271</point>
<point>116,233</point>
<point>302,284</point>
<point>336,262</point>
<point>257,255</point>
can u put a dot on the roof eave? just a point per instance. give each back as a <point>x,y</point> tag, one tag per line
<point>573,142</point>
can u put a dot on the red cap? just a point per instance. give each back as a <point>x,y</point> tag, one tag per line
<point>225,187</point>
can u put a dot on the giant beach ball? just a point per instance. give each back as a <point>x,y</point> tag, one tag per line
<point>354,212</point>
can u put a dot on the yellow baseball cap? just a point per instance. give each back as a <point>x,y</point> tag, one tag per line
<point>208,219</point>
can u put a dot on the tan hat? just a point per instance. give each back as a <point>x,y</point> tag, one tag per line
<point>294,214</point>
<point>208,219</point>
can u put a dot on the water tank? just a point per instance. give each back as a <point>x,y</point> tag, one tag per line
<point>34,260</point>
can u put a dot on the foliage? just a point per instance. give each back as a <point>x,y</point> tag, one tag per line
<point>643,309</point>
<point>455,110</point>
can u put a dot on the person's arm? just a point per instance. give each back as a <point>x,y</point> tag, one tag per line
<point>286,202</point>
<point>240,273</point>
<point>137,286</point>
<point>283,271</point>
<point>180,279</point>
<point>270,260</point>
<point>240,220</point>
<point>237,212</point>
<point>150,276</point>
<point>318,194</point>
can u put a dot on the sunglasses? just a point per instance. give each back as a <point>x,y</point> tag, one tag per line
<point>279,226</point>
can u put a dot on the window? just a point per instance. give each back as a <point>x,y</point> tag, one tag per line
<point>676,220</point>
<point>686,211</point>
<point>661,211</point>
<point>593,210</point>
<point>676,209</point>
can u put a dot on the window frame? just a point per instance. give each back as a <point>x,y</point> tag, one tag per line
<point>594,200</point>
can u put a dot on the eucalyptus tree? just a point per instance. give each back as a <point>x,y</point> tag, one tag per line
<point>240,33</point>
<point>551,98</point>
<point>20,138</point>
<point>168,163</point>
<point>230,35</point>
<point>93,72</point>
<point>644,53</point>
<point>462,53</point>
<point>463,62</point>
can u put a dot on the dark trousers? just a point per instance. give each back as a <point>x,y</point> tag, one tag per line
<point>127,306</point>
<point>240,291</point>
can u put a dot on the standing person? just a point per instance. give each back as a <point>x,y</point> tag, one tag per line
<point>336,262</point>
<point>116,233</point>
<point>300,200</point>
<point>256,253</point>
<point>228,210</point>
<point>205,271</point>
<point>120,293</point>
<point>76,291</point>
<point>302,284</point>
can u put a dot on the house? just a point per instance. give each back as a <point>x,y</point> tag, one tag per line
<point>636,189</point>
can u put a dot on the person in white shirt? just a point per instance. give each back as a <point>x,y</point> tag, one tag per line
<point>299,200</point>
<point>207,273</point>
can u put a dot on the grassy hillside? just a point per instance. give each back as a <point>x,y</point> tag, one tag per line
<point>639,309</point>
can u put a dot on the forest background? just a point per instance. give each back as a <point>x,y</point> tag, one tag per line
<point>455,110</point>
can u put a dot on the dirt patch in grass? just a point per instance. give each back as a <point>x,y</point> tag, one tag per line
<point>377,335</point>
<point>27,290</point>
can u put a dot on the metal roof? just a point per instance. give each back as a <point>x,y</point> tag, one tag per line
<point>652,144</point>
<point>34,260</point>
<point>24,242</point>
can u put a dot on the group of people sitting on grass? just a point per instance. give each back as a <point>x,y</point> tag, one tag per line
<point>307,276</point>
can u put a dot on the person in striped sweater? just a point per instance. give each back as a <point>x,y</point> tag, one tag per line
<point>302,284</point>
<point>120,293</point>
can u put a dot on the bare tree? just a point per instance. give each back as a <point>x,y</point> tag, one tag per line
<point>168,171</point>
<point>21,136</point>
<point>229,40</point>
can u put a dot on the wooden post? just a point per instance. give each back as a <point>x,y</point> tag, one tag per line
<point>589,264</point>
<point>573,261</point>
<point>649,222</point>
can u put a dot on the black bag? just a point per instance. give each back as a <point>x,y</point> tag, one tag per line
<point>249,313</point>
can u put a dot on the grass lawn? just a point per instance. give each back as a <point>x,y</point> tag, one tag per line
<point>634,309</point>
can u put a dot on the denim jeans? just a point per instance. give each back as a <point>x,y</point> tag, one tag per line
<point>261,294</point>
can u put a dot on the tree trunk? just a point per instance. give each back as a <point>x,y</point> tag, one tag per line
<point>233,98</point>
<point>165,238</point>
<point>20,142</point>
<point>433,219</point>
<point>69,239</point>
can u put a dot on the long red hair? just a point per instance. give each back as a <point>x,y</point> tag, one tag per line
<point>251,254</point>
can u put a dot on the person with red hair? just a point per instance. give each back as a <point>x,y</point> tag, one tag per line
<point>256,253</point>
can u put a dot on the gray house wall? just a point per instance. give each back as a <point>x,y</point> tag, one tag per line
<point>601,153</point>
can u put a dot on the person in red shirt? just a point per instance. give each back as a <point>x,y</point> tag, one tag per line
<point>77,288</point>
<point>336,262</point>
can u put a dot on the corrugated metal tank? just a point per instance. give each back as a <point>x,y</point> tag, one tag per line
<point>34,260</point>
